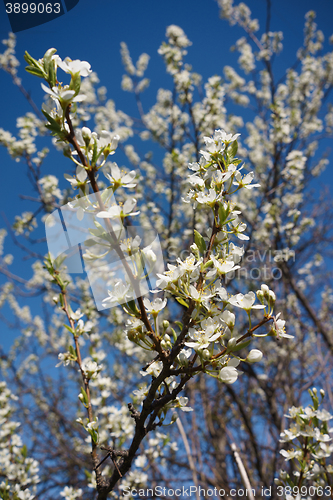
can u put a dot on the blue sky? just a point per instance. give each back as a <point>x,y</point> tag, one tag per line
<point>93,31</point>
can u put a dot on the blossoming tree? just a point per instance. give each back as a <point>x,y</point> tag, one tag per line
<point>243,245</point>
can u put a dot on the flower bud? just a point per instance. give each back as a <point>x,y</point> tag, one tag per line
<point>86,135</point>
<point>231,343</point>
<point>165,324</point>
<point>254,356</point>
<point>182,359</point>
<point>164,344</point>
<point>260,296</point>
<point>151,256</point>
<point>206,354</point>
<point>195,250</point>
<point>132,335</point>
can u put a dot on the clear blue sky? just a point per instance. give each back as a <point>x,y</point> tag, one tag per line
<point>93,31</point>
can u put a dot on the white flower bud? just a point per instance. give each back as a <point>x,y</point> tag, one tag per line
<point>195,250</point>
<point>206,354</point>
<point>164,344</point>
<point>232,342</point>
<point>182,359</point>
<point>228,374</point>
<point>150,255</point>
<point>260,295</point>
<point>254,356</point>
<point>86,133</point>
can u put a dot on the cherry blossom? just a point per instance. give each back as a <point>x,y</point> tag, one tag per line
<point>245,301</point>
<point>117,211</point>
<point>83,68</point>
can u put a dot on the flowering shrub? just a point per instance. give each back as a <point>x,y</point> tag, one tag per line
<point>230,231</point>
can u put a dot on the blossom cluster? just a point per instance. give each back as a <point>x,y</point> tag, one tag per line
<point>19,472</point>
<point>197,282</point>
<point>310,441</point>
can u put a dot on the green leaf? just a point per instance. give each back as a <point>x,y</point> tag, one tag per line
<point>133,307</point>
<point>28,58</point>
<point>48,57</point>
<point>200,242</point>
<point>105,194</point>
<point>90,242</point>
<point>179,324</point>
<point>222,214</point>
<point>55,129</point>
<point>35,71</point>
<point>72,351</point>
<point>60,260</point>
<point>94,435</point>
<point>32,62</point>
<point>53,124</point>
<point>225,164</point>
<point>85,397</point>
<point>61,299</point>
<point>174,334</point>
<point>72,331</point>
<point>52,77</point>
<point>233,149</point>
<point>182,301</point>
<point>75,83</point>
<point>96,232</point>
<point>99,226</point>
<point>207,264</point>
<point>49,66</point>
<point>94,155</point>
<point>24,451</point>
<point>241,345</point>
